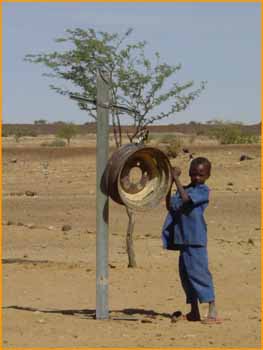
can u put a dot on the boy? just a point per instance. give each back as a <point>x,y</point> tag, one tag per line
<point>185,230</point>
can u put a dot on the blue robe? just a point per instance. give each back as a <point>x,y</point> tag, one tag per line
<point>185,230</point>
<point>185,223</point>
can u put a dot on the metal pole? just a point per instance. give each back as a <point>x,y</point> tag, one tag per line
<point>102,205</point>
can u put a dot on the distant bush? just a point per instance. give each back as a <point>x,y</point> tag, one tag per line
<point>151,138</point>
<point>173,148</point>
<point>192,139</point>
<point>55,143</point>
<point>166,138</point>
<point>28,132</point>
<point>40,122</point>
<point>67,131</point>
<point>18,132</point>
<point>58,122</point>
<point>249,139</point>
<point>5,133</point>
<point>220,121</point>
<point>170,143</point>
<point>229,133</point>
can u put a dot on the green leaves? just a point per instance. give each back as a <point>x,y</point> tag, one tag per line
<point>67,131</point>
<point>139,83</point>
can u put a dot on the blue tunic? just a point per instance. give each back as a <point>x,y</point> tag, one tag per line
<point>195,276</point>
<point>184,229</point>
<point>185,223</point>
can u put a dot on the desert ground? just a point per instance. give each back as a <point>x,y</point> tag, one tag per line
<point>49,275</point>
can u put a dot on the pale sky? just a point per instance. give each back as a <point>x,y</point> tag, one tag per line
<point>216,42</point>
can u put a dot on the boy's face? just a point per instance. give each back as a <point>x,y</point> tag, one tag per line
<point>199,174</point>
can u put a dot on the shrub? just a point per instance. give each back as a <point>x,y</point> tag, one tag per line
<point>40,122</point>
<point>170,143</point>
<point>29,132</point>
<point>192,139</point>
<point>228,134</point>
<point>18,133</point>
<point>67,131</point>
<point>5,133</point>
<point>173,148</point>
<point>166,138</point>
<point>55,143</point>
<point>232,134</point>
<point>32,133</point>
<point>152,137</point>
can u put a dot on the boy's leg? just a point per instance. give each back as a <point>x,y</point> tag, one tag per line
<point>191,297</point>
<point>212,317</point>
<point>212,312</point>
<point>194,313</point>
<point>201,280</point>
<point>199,275</point>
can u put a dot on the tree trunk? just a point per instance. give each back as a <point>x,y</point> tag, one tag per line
<point>119,130</point>
<point>129,238</point>
<point>115,132</point>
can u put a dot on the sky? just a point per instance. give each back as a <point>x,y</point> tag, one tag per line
<point>215,42</point>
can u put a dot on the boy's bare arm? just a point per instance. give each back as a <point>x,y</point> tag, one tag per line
<point>168,197</point>
<point>176,172</point>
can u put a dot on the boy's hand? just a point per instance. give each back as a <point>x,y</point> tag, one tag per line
<point>176,172</point>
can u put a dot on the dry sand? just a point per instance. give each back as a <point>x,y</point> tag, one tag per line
<point>49,278</point>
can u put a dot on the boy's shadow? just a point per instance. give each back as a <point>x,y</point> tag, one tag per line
<point>128,314</point>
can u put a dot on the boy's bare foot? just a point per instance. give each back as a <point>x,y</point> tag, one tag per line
<point>212,320</point>
<point>191,316</point>
<point>178,316</point>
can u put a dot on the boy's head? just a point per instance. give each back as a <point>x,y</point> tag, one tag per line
<point>199,170</point>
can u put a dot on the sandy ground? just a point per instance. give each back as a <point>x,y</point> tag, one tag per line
<point>49,278</point>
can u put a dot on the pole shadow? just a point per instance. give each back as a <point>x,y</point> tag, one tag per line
<point>128,314</point>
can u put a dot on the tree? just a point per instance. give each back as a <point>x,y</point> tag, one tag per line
<point>40,122</point>
<point>139,86</point>
<point>18,133</point>
<point>67,131</point>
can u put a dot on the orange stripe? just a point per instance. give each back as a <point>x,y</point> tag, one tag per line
<point>1,112</point>
<point>134,1</point>
<point>121,1</point>
<point>261,174</point>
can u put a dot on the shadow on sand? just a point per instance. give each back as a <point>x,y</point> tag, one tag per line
<point>128,314</point>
